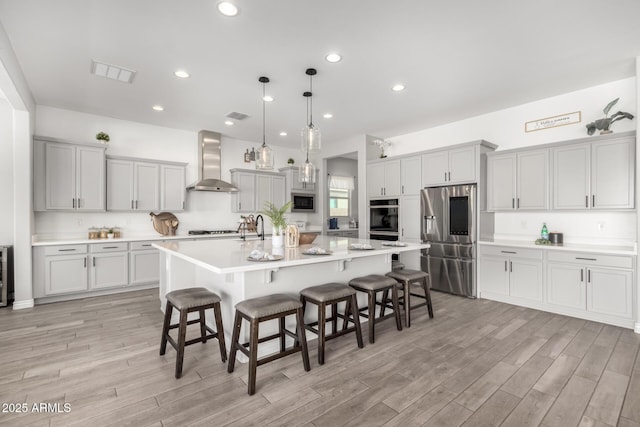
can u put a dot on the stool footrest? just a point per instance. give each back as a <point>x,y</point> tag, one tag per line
<point>190,322</point>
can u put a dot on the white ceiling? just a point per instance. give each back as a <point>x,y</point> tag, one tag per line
<point>457,59</point>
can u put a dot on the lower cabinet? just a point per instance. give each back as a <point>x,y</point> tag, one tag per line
<point>109,265</point>
<point>64,273</point>
<point>511,272</point>
<point>144,263</point>
<point>343,233</point>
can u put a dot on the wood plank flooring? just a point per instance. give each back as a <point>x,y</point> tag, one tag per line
<point>478,363</point>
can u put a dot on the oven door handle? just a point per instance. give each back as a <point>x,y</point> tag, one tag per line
<point>385,233</point>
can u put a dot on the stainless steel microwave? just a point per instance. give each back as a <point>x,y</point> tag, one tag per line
<point>303,202</point>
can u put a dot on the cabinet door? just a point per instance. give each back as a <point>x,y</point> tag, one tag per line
<point>146,186</point>
<point>435,167</point>
<point>90,179</point>
<point>533,180</point>
<point>411,175</point>
<point>263,193</point>
<point>145,267</point>
<point>109,269</point>
<point>612,174</point>
<point>410,218</point>
<point>278,195</point>
<point>60,176</point>
<point>494,275</point>
<point>375,180</point>
<point>119,185</point>
<point>571,177</point>
<point>566,286</point>
<point>65,273</point>
<point>501,182</point>
<point>244,199</point>
<point>172,187</point>
<point>610,292</point>
<point>462,165</point>
<point>525,279</point>
<point>392,185</point>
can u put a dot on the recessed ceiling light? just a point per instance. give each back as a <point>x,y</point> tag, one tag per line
<point>327,115</point>
<point>227,8</point>
<point>182,74</point>
<point>228,123</point>
<point>398,88</point>
<point>333,57</point>
<point>158,107</point>
<point>283,134</point>
<point>268,98</point>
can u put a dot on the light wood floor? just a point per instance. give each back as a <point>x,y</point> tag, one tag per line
<point>477,363</point>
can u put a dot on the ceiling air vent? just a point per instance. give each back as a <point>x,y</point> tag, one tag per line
<point>112,72</point>
<point>237,116</point>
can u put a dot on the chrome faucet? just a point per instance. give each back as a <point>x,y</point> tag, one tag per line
<point>261,232</point>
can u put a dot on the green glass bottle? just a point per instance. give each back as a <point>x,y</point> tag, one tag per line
<point>544,234</point>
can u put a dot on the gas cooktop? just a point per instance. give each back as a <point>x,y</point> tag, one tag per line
<point>201,232</point>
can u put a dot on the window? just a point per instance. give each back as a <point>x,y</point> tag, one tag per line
<point>340,195</point>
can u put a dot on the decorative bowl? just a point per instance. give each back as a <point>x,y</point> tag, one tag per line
<point>307,238</point>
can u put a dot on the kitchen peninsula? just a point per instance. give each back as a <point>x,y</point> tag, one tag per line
<point>222,267</point>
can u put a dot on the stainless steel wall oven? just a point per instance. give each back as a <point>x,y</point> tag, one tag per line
<point>383,219</point>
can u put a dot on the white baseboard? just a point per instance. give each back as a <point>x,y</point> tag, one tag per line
<point>19,305</point>
<point>637,328</point>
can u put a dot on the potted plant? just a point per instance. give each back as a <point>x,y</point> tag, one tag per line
<point>290,161</point>
<point>278,221</point>
<point>110,233</point>
<point>604,123</point>
<point>103,137</point>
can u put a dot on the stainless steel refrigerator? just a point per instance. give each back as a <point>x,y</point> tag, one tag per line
<point>449,225</point>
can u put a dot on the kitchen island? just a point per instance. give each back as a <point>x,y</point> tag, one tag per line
<point>223,267</point>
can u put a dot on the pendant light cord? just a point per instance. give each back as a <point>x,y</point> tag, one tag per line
<point>263,115</point>
<point>311,101</point>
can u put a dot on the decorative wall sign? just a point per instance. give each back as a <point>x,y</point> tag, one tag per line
<point>554,121</point>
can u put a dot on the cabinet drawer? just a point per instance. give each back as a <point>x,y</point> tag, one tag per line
<point>619,261</point>
<point>65,250</point>
<point>108,247</point>
<point>511,252</point>
<point>140,246</point>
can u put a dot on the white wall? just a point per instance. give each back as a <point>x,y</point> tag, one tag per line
<point>204,209</point>
<point>506,128</point>
<point>6,173</point>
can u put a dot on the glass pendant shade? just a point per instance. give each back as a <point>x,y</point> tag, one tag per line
<point>307,173</point>
<point>311,141</point>
<point>264,158</point>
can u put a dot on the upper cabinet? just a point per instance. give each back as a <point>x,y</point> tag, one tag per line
<point>410,175</point>
<point>144,185</point>
<point>255,188</point>
<point>383,178</point>
<point>68,176</point>
<point>518,181</point>
<point>293,184</point>
<point>595,175</point>
<point>455,166</point>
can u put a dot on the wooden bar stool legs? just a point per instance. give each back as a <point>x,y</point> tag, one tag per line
<point>372,284</point>
<point>405,278</point>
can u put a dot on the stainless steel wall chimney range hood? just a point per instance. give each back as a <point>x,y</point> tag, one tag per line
<point>209,165</point>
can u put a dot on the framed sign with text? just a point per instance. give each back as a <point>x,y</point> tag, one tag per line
<point>554,121</point>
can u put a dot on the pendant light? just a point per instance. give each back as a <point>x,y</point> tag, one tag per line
<point>264,154</point>
<point>310,134</point>
<point>307,172</point>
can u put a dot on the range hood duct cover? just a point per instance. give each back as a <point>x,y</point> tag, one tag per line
<point>209,165</point>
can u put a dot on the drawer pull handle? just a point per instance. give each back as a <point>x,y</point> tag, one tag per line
<point>147,245</point>
<point>509,252</point>
<point>581,275</point>
<point>109,247</point>
<point>587,259</point>
<point>66,250</point>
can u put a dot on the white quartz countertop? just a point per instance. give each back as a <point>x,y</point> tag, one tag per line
<point>605,249</point>
<point>230,256</point>
<point>39,241</point>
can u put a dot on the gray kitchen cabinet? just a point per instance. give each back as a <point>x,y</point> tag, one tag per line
<point>132,185</point>
<point>383,178</point>
<point>588,283</point>
<point>293,184</point>
<point>146,188</point>
<point>144,263</point>
<point>410,175</point>
<point>518,181</point>
<point>109,265</point>
<point>255,189</point>
<point>410,218</point>
<point>172,187</point>
<point>343,233</point>
<point>68,176</point>
<point>61,270</point>
<point>455,166</point>
<point>595,175</point>
<point>516,273</point>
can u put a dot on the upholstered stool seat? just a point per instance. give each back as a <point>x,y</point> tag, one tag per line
<point>396,265</point>
<point>187,301</point>
<point>256,310</point>
<point>372,284</point>
<point>405,279</point>
<point>332,294</point>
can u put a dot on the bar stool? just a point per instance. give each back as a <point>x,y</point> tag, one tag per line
<point>407,277</point>
<point>332,294</point>
<point>187,301</point>
<point>256,310</point>
<point>396,265</point>
<point>372,284</point>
